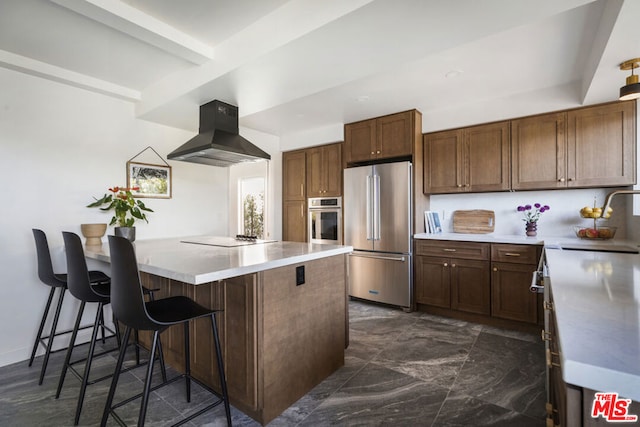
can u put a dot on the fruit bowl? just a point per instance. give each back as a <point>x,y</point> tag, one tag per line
<point>592,233</point>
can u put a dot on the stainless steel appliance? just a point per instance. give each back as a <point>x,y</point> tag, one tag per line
<point>325,220</point>
<point>377,223</point>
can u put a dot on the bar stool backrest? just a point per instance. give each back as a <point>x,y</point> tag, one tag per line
<point>127,300</point>
<point>45,267</point>
<point>78,280</point>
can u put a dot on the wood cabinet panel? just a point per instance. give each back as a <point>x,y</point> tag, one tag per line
<point>385,137</point>
<point>470,286</point>
<point>473,159</point>
<point>324,171</point>
<point>538,152</point>
<point>519,254</point>
<point>294,175</point>
<point>510,294</point>
<point>464,250</point>
<point>294,219</point>
<point>432,280</point>
<point>443,162</point>
<point>360,141</point>
<point>487,156</point>
<point>395,135</point>
<point>601,145</point>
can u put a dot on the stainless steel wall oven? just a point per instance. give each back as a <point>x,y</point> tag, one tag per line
<point>325,220</point>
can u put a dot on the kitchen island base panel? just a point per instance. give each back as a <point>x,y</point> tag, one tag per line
<point>279,340</point>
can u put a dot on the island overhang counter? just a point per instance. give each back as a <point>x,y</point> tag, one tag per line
<point>280,337</point>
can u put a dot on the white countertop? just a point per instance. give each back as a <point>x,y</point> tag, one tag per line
<point>597,307</point>
<point>547,241</point>
<point>197,263</point>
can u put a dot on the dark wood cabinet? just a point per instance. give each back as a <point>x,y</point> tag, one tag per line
<point>474,159</point>
<point>385,137</point>
<point>512,267</point>
<point>324,171</point>
<point>491,280</point>
<point>601,145</point>
<point>294,197</point>
<point>538,147</point>
<point>453,275</point>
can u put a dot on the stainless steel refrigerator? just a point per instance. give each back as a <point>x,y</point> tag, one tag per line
<point>377,223</point>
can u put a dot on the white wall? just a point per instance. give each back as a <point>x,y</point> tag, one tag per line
<point>59,146</point>
<point>557,222</point>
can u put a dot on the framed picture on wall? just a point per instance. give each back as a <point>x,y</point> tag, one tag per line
<point>151,180</point>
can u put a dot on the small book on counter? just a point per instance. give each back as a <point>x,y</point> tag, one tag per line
<point>432,222</point>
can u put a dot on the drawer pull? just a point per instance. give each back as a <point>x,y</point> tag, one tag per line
<point>449,250</point>
<point>511,254</point>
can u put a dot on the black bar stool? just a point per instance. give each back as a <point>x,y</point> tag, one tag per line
<point>130,308</point>
<point>55,281</point>
<point>81,288</point>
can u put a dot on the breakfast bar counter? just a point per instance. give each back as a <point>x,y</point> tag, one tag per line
<point>285,319</point>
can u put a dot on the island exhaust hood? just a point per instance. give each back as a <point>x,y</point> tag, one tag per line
<point>218,142</point>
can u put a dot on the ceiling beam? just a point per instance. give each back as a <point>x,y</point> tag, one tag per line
<point>131,21</point>
<point>598,47</point>
<point>62,75</point>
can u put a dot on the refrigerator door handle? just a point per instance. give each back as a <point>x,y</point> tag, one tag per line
<point>388,258</point>
<point>368,208</point>
<point>376,207</point>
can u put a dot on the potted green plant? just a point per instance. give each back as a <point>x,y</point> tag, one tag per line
<point>126,210</point>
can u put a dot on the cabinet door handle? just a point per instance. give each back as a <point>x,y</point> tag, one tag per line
<point>453,265</point>
<point>445,264</point>
<point>302,189</point>
<point>449,250</point>
<point>372,153</point>
<point>561,180</point>
<point>511,254</point>
<point>495,268</point>
<point>549,354</point>
<point>570,179</point>
<point>378,152</point>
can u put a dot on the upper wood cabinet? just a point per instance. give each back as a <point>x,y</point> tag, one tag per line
<point>601,145</point>
<point>473,159</point>
<point>587,147</point>
<point>324,171</point>
<point>538,152</point>
<point>380,138</point>
<point>294,175</point>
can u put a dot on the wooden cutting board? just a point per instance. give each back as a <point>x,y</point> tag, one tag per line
<point>476,221</point>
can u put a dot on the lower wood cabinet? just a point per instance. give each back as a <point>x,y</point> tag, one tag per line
<point>511,269</point>
<point>460,281</point>
<point>490,280</point>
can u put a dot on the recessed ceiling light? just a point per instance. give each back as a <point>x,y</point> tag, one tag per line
<point>363,98</point>
<point>453,73</point>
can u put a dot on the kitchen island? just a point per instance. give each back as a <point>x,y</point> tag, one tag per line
<point>594,330</point>
<point>285,319</point>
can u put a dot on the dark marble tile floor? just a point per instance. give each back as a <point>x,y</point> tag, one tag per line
<point>401,369</point>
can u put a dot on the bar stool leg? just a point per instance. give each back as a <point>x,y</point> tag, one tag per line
<point>41,328</point>
<point>163,369</point>
<point>147,380</point>
<point>74,334</point>
<point>221,374</point>
<point>52,334</point>
<point>116,376</point>
<point>87,367</point>
<point>187,361</point>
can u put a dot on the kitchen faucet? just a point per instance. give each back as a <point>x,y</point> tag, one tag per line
<point>607,200</point>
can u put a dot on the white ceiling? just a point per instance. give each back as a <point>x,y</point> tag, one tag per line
<point>296,65</point>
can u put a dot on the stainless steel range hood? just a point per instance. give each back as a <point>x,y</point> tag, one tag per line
<point>218,142</point>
